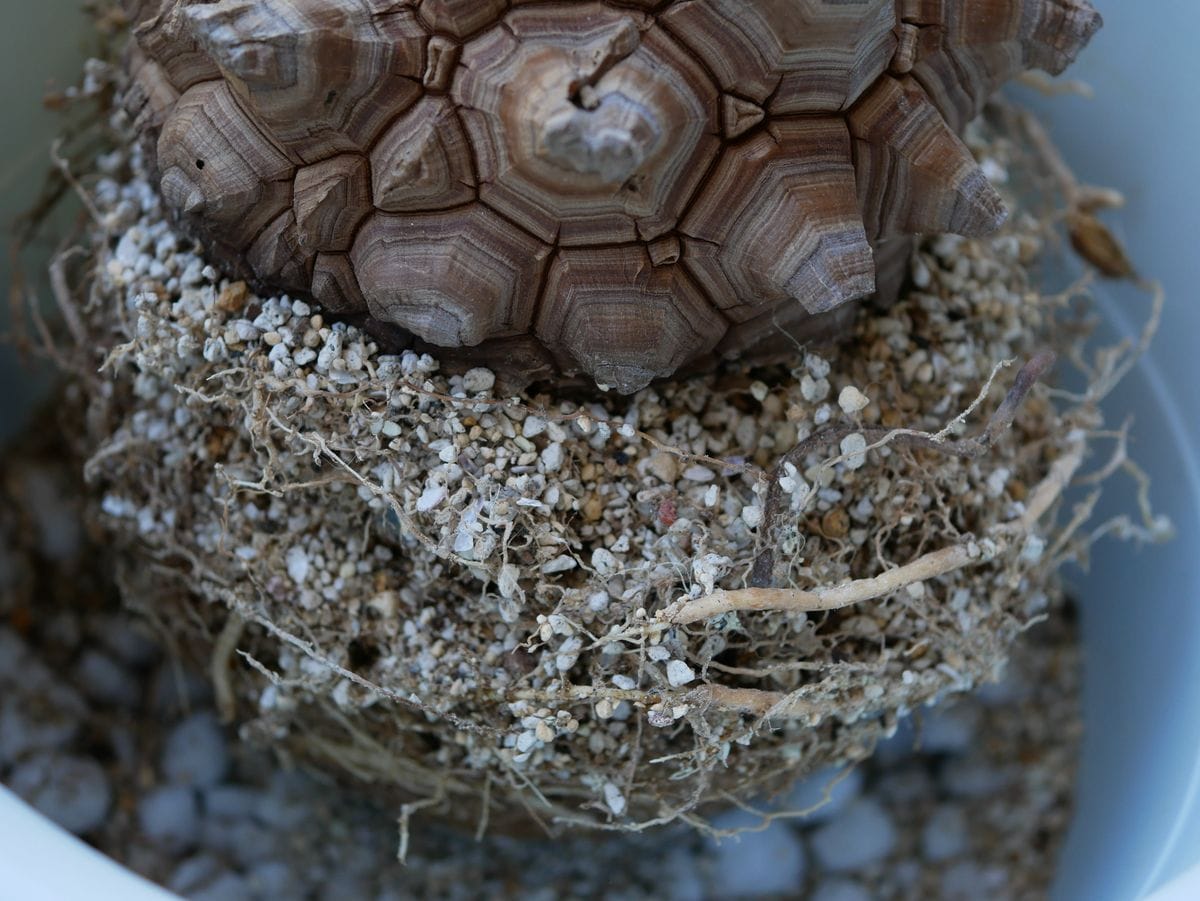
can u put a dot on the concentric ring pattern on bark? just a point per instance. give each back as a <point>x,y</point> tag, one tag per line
<point>619,189</point>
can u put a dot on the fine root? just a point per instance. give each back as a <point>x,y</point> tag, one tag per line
<point>972,552</point>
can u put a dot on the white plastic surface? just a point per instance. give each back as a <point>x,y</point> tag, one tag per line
<point>1137,821</point>
<point>40,862</point>
<point>1138,816</point>
<point>40,48</point>
<point>1182,888</point>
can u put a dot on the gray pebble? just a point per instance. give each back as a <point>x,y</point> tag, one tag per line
<point>286,807</point>
<point>681,877</point>
<point>43,722</point>
<point>755,863</point>
<point>106,681</point>
<point>194,873</point>
<point>127,639</point>
<point>195,752</point>
<point>62,630</point>
<point>72,791</point>
<point>232,802</point>
<point>968,881</point>
<point>205,878</point>
<point>1008,690</point>
<point>13,655</point>
<point>274,879</point>
<point>245,841</point>
<point>60,529</point>
<point>948,731</point>
<point>900,746</point>
<point>840,890</point>
<point>225,887</point>
<point>965,778</point>
<point>905,874</point>
<point>169,816</point>
<point>859,836</point>
<point>807,793</point>
<point>126,746</point>
<point>346,886</point>
<point>905,785</point>
<point>945,834</point>
<point>15,660</point>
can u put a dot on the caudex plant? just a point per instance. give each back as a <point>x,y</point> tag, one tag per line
<point>616,189</point>
<point>672,571</point>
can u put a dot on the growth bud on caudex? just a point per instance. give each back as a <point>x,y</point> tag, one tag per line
<point>629,189</point>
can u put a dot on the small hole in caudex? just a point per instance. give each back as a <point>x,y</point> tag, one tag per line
<point>199,164</point>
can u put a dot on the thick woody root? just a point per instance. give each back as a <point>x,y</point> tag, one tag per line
<point>931,565</point>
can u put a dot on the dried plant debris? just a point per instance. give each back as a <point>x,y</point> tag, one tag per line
<point>555,609</point>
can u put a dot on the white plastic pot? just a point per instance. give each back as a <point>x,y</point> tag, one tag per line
<point>41,46</point>
<point>1137,821</point>
<point>1137,824</point>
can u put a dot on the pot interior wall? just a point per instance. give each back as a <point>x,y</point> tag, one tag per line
<point>1138,815</point>
<point>1137,820</point>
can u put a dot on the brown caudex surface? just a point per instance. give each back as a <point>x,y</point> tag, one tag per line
<point>613,188</point>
